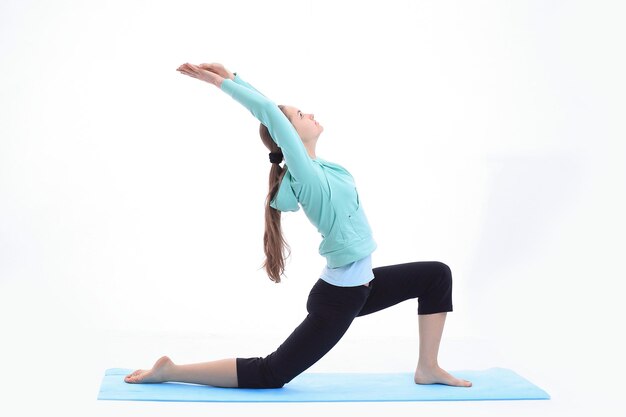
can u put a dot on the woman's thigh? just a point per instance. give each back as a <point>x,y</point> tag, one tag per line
<point>428,281</point>
<point>331,311</point>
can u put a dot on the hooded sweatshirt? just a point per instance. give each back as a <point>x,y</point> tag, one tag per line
<point>325,190</point>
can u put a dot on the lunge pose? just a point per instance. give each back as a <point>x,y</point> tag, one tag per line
<point>348,286</point>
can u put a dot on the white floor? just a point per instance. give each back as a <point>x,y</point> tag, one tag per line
<point>59,369</point>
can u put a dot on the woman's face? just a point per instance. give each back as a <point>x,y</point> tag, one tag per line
<point>304,123</point>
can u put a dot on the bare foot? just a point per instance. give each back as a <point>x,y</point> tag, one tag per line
<point>436,375</point>
<point>155,375</point>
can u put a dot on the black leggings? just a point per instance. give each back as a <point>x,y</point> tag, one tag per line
<point>332,309</point>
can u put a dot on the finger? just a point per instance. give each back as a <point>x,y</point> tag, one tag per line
<point>199,71</point>
<point>186,70</point>
<point>192,68</point>
<point>189,74</point>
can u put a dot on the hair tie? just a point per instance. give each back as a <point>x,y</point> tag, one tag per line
<point>276,157</point>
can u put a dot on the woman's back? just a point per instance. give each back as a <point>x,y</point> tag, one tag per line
<point>325,190</point>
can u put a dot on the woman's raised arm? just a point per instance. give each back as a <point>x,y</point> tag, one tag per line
<point>220,70</point>
<point>201,74</point>
<point>268,113</point>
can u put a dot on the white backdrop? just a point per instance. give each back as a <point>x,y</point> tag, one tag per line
<point>487,135</point>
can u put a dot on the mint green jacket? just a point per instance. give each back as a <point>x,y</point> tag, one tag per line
<point>325,190</point>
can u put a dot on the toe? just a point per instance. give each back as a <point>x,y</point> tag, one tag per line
<point>465,383</point>
<point>134,377</point>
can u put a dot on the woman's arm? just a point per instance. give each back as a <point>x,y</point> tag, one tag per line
<point>280,128</point>
<point>237,78</point>
<point>201,74</point>
<point>268,113</point>
<point>220,70</point>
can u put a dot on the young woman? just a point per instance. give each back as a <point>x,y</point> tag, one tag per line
<point>348,286</point>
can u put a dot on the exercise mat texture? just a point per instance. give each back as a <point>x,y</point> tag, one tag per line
<point>488,384</point>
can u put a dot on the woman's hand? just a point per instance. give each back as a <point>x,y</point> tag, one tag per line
<point>218,69</point>
<point>196,72</point>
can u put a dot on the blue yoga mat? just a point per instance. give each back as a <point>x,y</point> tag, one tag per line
<point>489,384</point>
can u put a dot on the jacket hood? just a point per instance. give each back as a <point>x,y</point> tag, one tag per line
<point>285,199</point>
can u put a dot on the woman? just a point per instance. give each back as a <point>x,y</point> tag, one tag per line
<point>348,286</point>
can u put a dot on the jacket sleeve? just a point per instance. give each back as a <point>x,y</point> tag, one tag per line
<point>243,82</point>
<point>280,128</point>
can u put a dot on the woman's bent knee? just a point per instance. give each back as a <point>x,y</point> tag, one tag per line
<point>438,298</point>
<point>446,274</point>
<point>254,373</point>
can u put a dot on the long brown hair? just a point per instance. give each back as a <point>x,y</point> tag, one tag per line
<point>274,244</point>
